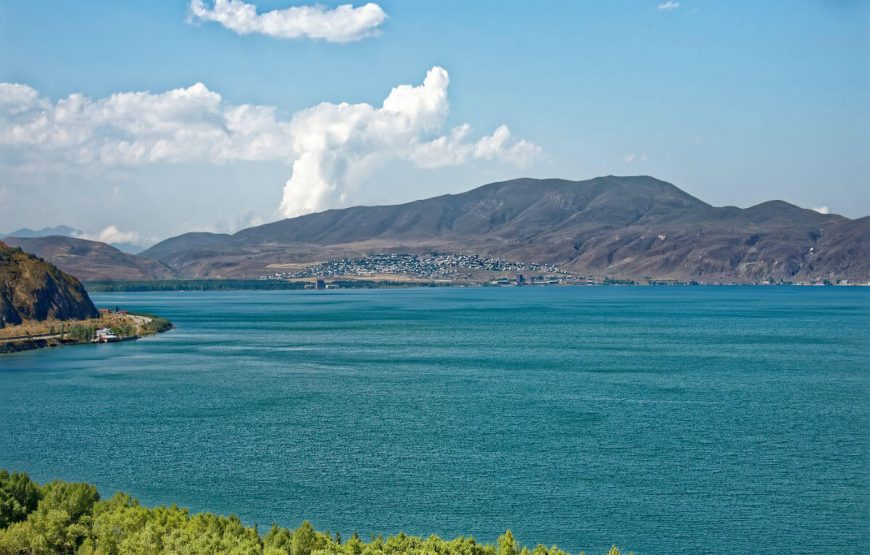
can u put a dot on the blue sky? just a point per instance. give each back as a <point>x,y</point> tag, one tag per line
<point>735,102</point>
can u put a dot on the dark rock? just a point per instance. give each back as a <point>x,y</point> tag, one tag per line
<point>31,289</point>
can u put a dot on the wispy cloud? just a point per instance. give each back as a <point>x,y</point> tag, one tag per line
<point>669,5</point>
<point>227,225</point>
<point>332,147</point>
<point>342,24</point>
<point>632,157</point>
<point>822,209</point>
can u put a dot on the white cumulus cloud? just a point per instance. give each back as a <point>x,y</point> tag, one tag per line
<point>669,5</point>
<point>342,24</point>
<point>133,128</point>
<point>452,149</point>
<point>336,144</point>
<point>111,234</point>
<point>332,147</point>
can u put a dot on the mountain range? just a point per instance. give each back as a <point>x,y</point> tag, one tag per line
<point>92,260</point>
<point>634,227</point>
<point>63,231</point>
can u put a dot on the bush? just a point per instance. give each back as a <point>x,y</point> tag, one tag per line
<point>80,333</point>
<point>157,325</point>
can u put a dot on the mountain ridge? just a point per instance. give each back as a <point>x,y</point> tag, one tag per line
<point>92,260</point>
<point>63,230</point>
<point>635,227</point>
<point>627,226</point>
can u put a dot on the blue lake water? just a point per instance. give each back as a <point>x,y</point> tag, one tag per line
<point>684,419</point>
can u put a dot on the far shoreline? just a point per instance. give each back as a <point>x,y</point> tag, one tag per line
<point>339,283</point>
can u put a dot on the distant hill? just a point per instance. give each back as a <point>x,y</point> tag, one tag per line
<point>634,227</point>
<point>63,230</point>
<point>92,260</point>
<point>32,289</point>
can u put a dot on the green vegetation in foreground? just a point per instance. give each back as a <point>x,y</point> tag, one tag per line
<point>67,518</point>
<point>107,286</point>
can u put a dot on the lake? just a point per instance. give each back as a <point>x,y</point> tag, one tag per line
<point>663,419</point>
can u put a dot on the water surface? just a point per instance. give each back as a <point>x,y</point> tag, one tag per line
<point>717,420</point>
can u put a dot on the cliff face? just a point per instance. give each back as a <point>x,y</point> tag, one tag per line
<point>31,289</point>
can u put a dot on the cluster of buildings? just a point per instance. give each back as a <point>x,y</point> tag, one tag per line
<point>438,266</point>
<point>108,311</point>
<point>466,269</point>
<point>545,279</point>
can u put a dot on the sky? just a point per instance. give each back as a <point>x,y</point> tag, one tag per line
<point>136,121</point>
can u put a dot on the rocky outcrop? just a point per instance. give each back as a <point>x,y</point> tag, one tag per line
<point>32,289</point>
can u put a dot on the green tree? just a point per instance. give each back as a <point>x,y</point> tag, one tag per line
<point>66,519</point>
<point>18,497</point>
<point>278,540</point>
<point>304,540</point>
<point>59,524</point>
<point>507,545</point>
<point>354,546</point>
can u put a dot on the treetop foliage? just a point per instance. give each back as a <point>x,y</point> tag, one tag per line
<point>69,518</point>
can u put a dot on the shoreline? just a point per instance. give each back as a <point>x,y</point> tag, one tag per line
<point>124,326</point>
<point>341,282</point>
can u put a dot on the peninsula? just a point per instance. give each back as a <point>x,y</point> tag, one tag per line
<point>41,306</point>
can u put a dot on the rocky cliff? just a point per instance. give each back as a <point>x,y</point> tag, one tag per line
<point>32,289</point>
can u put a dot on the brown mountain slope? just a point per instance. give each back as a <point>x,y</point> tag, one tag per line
<point>90,260</point>
<point>620,226</point>
<point>32,289</point>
